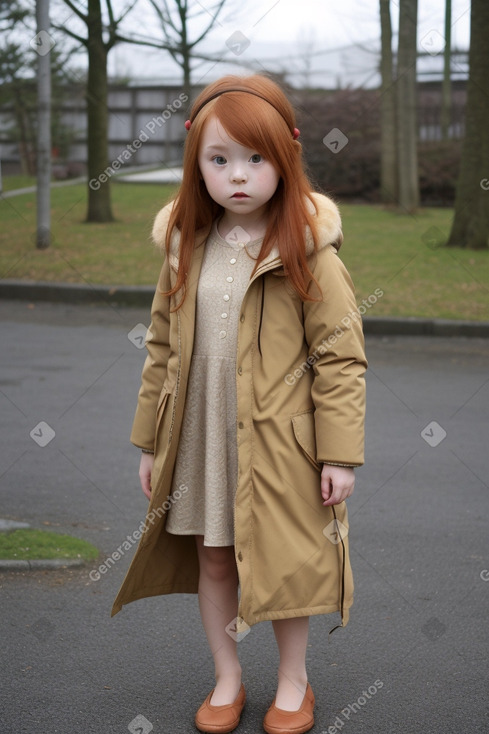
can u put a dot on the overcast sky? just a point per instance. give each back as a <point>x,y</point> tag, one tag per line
<point>338,39</point>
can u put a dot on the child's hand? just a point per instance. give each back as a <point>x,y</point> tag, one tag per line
<point>337,483</point>
<point>145,469</point>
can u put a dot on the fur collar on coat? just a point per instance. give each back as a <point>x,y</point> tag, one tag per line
<point>328,221</point>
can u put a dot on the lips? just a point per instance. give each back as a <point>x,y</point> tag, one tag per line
<point>240,195</point>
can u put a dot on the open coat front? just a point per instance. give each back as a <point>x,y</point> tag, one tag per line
<point>300,399</point>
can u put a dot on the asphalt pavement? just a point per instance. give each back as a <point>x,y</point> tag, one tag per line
<point>414,655</point>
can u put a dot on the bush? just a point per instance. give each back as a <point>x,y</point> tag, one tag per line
<point>354,171</point>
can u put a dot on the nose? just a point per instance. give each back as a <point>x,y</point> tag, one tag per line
<point>238,174</point>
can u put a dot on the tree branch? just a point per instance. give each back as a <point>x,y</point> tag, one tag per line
<point>64,29</point>
<point>219,7</point>
<point>77,12</point>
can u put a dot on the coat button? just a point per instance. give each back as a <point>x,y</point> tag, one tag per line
<point>225,297</point>
<point>240,370</point>
<point>242,318</point>
<point>240,556</point>
<point>233,261</point>
<point>230,279</point>
<point>241,424</point>
<point>224,315</point>
<point>222,334</point>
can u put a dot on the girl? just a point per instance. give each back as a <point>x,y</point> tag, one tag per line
<point>250,414</point>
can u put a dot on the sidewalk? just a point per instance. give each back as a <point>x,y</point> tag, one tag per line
<point>132,174</point>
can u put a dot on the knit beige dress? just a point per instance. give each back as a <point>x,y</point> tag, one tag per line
<point>207,459</point>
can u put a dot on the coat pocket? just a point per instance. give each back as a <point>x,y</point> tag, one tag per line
<point>305,435</point>
<point>162,402</point>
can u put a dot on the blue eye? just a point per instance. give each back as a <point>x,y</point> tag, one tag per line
<point>256,158</point>
<point>219,160</point>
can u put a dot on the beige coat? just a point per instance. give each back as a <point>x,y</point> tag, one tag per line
<point>300,399</point>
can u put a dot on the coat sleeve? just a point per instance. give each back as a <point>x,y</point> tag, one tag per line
<point>333,331</point>
<point>155,366</point>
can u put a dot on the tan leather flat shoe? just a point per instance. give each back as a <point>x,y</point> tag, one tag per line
<point>220,719</point>
<point>279,721</point>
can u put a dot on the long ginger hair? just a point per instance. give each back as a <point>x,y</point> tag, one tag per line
<point>263,120</point>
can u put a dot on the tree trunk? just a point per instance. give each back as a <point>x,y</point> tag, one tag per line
<point>406,106</point>
<point>446,84</point>
<point>187,86</point>
<point>470,227</point>
<point>99,206</point>
<point>186,51</point>
<point>388,143</point>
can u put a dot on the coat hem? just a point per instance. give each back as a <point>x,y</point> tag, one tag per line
<point>301,612</point>
<point>149,591</point>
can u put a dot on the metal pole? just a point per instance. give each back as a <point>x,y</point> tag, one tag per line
<point>43,44</point>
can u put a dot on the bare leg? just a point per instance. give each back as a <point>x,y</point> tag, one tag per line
<point>291,635</point>
<point>218,602</point>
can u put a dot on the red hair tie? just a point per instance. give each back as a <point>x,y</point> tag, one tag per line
<point>187,125</point>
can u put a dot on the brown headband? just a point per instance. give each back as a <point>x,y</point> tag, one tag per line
<point>295,132</point>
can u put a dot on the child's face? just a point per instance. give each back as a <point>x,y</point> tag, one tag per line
<point>236,177</point>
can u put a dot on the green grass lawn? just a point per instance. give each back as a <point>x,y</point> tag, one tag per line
<point>27,544</point>
<point>382,249</point>
<point>9,183</point>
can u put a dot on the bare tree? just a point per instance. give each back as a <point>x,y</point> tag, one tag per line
<point>388,142</point>
<point>306,42</point>
<point>15,92</point>
<point>99,40</point>
<point>406,106</point>
<point>102,34</point>
<point>174,17</point>
<point>470,227</point>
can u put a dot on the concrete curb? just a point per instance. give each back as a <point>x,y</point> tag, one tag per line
<point>40,564</point>
<point>77,293</point>
<point>394,326</point>
<point>142,296</point>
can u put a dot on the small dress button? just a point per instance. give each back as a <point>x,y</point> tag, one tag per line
<point>224,315</point>
<point>233,260</point>
<point>226,297</point>
<point>222,334</point>
<point>240,370</point>
<point>240,556</point>
<point>230,279</point>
